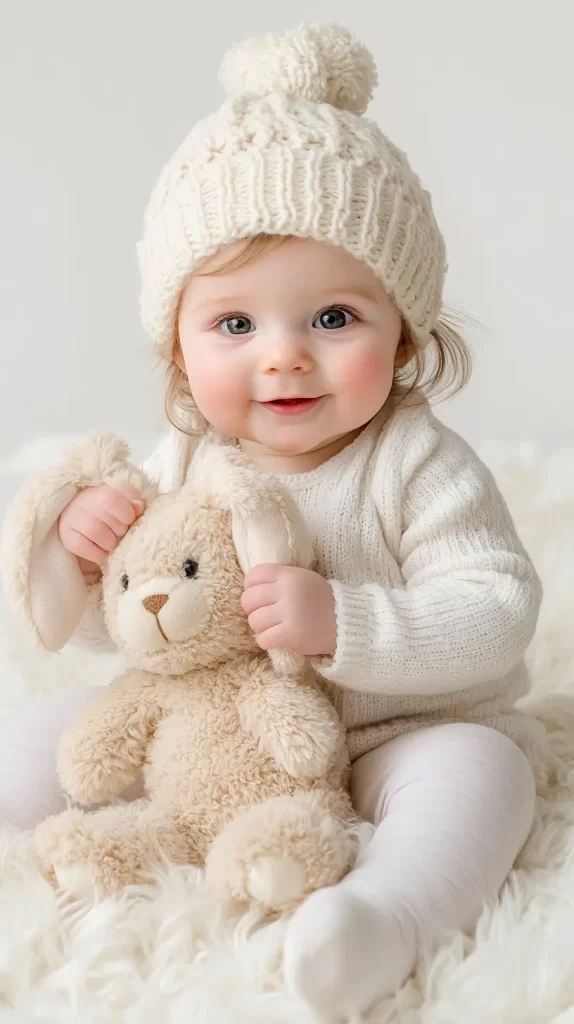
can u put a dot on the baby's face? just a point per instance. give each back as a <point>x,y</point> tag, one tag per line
<point>291,352</point>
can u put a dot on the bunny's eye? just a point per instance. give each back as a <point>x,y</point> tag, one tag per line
<point>190,569</point>
<point>124,582</point>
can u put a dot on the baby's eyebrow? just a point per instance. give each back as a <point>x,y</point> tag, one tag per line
<point>362,292</point>
<point>226,301</point>
<point>232,302</point>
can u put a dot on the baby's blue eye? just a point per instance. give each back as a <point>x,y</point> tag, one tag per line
<point>237,325</point>
<point>333,319</point>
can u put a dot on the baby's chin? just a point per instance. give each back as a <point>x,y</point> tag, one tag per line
<point>291,446</point>
<point>288,438</point>
<point>297,444</point>
<point>282,438</point>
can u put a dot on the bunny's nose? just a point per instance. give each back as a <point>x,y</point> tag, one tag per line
<point>155,603</point>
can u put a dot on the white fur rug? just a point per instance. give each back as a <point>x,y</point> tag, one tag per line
<point>173,954</point>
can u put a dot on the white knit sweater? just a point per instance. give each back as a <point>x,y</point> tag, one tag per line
<point>436,599</point>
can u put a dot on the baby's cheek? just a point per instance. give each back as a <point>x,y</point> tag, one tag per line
<point>368,376</point>
<point>217,390</point>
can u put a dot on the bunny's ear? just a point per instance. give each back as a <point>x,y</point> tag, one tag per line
<point>42,579</point>
<point>266,524</point>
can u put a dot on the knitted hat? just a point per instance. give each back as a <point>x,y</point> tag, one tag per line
<point>288,153</point>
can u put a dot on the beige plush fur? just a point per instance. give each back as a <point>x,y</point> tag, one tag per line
<point>35,565</point>
<point>243,758</point>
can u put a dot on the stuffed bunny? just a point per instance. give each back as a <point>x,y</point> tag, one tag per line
<point>243,756</point>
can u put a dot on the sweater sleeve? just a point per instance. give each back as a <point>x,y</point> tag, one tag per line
<point>467,606</point>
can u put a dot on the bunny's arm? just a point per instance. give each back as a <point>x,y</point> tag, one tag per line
<point>105,748</point>
<point>293,721</point>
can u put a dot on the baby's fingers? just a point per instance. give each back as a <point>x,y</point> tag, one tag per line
<point>92,528</point>
<point>258,597</point>
<point>263,574</point>
<point>118,528</point>
<point>115,505</point>
<point>274,638</point>
<point>133,496</point>
<point>264,619</point>
<point>83,548</point>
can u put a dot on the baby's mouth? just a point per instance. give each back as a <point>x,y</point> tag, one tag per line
<point>291,406</point>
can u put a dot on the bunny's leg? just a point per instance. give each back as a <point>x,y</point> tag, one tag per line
<point>111,847</point>
<point>279,851</point>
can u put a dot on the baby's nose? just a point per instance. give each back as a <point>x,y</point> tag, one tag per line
<point>155,603</point>
<point>287,354</point>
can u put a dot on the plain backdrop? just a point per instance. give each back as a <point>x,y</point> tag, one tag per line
<point>94,98</point>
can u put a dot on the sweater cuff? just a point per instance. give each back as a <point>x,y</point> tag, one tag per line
<point>351,665</point>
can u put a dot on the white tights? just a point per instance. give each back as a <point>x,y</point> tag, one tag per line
<point>453,806</point>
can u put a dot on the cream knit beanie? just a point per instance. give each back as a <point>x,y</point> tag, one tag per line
<point>288,153</point>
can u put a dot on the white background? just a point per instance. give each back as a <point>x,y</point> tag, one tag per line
<point>95,97</point>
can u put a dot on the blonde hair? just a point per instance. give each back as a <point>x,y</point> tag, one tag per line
<point>438,371</point>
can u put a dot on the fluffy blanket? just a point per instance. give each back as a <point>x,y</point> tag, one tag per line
<point>175,955</point>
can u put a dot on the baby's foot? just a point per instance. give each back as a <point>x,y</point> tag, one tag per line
<point>343,952</point>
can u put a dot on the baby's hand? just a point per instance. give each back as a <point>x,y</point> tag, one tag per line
<point>290,609</point>
<point>94,522</point>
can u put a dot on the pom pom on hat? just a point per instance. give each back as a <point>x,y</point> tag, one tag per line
<point>317,63</point>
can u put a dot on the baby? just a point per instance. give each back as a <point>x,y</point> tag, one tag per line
<point>292,278</point>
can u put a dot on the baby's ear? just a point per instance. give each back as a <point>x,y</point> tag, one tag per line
<point>266,524</point>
